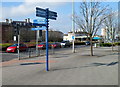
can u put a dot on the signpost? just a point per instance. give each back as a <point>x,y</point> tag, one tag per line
<point>45,13</point>
<point>39,28</point>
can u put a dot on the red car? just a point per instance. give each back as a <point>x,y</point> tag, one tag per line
<point>42,45</point>
<point>13,48</point>
<point>56,45</point>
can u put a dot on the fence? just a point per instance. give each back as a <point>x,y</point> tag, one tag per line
<point>32,52</point>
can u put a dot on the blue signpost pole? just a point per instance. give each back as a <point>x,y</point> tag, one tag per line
<point>47,59</point>
<point>45,13</point>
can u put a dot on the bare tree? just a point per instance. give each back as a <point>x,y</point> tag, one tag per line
<point>111,26</point>
<point>90,19</point>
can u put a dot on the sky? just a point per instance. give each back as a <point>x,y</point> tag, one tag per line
<point>19,11</point>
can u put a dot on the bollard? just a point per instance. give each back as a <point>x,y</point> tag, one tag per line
<point>52,49</point>
<point>95,45</point>
<point>29,51</point>
<point>39,52</point>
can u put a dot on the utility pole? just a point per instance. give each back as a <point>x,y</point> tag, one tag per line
<point>73,27</point>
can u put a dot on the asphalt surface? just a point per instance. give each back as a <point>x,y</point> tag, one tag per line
<point>25,54</point>
<point>67,68</point>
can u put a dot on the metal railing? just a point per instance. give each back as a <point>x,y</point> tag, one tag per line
<point>31,52</point>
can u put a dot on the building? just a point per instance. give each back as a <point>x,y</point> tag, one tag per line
<point>8,33</point>
<point>79,36</point>
<point>26,34</point>
<point>103,32</point>
<point>54,35</point>
<point>107,36</point>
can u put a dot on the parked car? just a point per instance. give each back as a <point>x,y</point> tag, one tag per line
<point>65,44</point>
<point>87,43</point>
<point>56,45</point>
<point>13,48</point>
<point>42,45</point>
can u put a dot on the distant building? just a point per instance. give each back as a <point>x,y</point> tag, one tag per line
<point>107,35</point>
<point>103,32</point>
<point>26,34</point>
<point>8,33</point>
<point>54,35</point>
<point>79,36</point>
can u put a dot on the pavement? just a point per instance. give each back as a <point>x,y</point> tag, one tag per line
<point>65,68</point>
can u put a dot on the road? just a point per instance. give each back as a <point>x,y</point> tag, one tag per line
<point>66,68</point>
<point>10,56</point>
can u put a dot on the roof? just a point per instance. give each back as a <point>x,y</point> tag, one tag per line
<point>97,38</point>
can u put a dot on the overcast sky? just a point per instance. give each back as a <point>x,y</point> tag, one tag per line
<point>19,11</point>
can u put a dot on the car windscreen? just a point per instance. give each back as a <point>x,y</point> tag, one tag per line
<point>42,43</point>
<point>53,43</point>
<point>14,45</point>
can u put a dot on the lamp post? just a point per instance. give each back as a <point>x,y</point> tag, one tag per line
<point>73,27</point>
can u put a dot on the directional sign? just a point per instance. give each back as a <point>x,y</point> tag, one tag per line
<point>51,13</point>
<point>39,21</point>
<point>40,9</point>
<point>39,28</point>
<point>50,17</point>
<point>40,12</point>
<point>43,13</point>
<point>36,24</point>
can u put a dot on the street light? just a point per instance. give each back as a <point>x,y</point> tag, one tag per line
<point>73,27</point>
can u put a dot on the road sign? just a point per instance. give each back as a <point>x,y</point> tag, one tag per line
<point>51,13</point>
<point>38,28</point>
<point>73,37</point>
<point>36,24</point>
<point>50,17</point>
<point>43,13</point>
<point>15,38</point>
<point>40,9</point>
<point>40,15</point>
<point>39,21</point>
<point>40,12</point>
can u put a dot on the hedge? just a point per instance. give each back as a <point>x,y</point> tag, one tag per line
<point>106,44</point>
<point>117,43</point>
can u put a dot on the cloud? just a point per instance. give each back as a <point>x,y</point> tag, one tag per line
<point>48,0</point>
<point>63,23</point>
<point>27,8</point>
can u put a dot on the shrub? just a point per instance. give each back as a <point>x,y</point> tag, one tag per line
<point>5,44</point>
<point>117,43</point>
<point>106,44</point>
